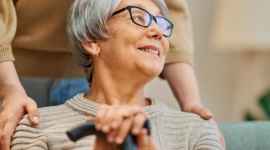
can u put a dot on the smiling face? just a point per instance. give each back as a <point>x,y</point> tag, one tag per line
<point>131,48</point>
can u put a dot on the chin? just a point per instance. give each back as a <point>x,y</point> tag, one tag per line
<point>153,70</point>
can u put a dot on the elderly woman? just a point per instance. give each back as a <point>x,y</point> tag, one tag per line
<point>122,45</point>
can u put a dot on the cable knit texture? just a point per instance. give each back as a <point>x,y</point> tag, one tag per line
<point>7,29</point>
<point>171,129</point>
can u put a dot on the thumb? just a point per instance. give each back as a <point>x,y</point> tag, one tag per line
<point>205,114</point>
<point>32,110</point>
<point>202,111</point>
<point>143,139</point>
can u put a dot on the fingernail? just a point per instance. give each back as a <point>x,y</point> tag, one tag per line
<point>36,120</point>
<point>135,131</point>
<point>97,126</point>
<point>105,128</point>
<point>208,114</point>
<point>119,140</point>
<point>114,124</point>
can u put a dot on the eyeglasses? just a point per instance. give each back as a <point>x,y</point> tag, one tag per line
<point>143,18</point>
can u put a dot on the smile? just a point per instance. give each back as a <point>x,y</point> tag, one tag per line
<point>149,50</point>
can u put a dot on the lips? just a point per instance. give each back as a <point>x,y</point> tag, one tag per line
<point>150,49</point>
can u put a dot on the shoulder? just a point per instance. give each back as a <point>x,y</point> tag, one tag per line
<point>171,113</point>
<point>51,117</point>
<point>198,132</point>
<point>191,121</point>
<point>54,122</point>
<point>174,116</point>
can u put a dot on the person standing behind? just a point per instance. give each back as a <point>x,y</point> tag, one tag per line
<point>33,33</point>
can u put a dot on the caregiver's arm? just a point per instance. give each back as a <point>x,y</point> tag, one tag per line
<point>182,80</point>
<point>14,99</point>
<point>178,68</point>
<point>15,103</point>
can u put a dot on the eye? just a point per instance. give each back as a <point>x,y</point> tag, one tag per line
<point>139,19</point>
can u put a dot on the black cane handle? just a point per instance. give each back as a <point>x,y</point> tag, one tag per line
<point>89,129</point>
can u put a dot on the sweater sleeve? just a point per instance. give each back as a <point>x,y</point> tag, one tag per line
<point>28,137</point>
<point>208,139</point>
<point>181,41</point>
<point>8,23</point>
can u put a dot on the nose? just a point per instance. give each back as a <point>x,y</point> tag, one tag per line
<point>154,30</point>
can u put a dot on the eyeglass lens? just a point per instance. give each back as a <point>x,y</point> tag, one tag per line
<point>144,18</point>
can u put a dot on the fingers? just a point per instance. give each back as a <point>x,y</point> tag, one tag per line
<point>13,109</point>
<point>33,114</point>
<point>122,132</point>
<point>205,113</point>
<point>138,122</point>
<point>143,139</point>
<point>199,110</point>
<point>222,139</point>
<point>7,133</point>
<point>117,121</point>
<point>145,142</point>
<point>110,120</point>
<point>99,118</point>
<point>133,124</point>
<point>8,123</point>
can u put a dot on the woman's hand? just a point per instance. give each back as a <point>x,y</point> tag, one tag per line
<point>13,109</point>
<point>117,121</point>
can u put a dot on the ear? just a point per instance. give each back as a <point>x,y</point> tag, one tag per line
<point>91,48</point>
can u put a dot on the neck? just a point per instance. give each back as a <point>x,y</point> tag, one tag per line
<point>109,89</point>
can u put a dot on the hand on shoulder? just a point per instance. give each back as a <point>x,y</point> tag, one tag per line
<point>14,108</point>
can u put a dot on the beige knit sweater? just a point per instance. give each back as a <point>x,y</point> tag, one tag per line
<point>171,129</point>
<point>40,44</point>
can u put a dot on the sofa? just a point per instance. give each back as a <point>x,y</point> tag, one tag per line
<point>253,135</point>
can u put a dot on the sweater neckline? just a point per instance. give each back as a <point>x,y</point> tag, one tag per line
<point>88,107</point>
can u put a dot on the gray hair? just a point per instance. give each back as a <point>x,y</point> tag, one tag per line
<point>87,22</point>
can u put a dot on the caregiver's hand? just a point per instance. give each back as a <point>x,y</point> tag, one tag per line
<point>119,120</point>
<point>14,107</point>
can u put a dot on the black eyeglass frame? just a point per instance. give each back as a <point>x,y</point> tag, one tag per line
<point>151,16</point>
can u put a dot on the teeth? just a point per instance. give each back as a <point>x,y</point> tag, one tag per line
<point>149,50</point>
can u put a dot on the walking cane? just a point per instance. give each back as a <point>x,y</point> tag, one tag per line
<point>89,129</point>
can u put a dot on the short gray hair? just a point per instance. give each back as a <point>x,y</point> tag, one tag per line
<point>87,22</point>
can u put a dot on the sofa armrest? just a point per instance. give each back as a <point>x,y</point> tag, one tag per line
<point>253,135</point>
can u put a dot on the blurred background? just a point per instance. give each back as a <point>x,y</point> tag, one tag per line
<point>232,59</point>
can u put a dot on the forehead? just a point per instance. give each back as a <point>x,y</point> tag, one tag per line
<point>148,5</point>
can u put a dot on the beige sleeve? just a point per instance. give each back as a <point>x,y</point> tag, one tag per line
<point>8,23</point>
<point>181,41</point>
